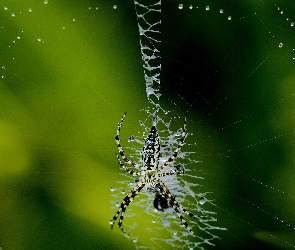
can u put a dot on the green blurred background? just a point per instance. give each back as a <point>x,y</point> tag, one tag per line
<point>70,70</point>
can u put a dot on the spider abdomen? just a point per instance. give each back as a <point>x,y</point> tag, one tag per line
<point>151,150</point>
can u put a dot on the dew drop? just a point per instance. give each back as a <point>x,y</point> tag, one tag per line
<point>207,7</point>
<point>5,8</point>
<point>134,240</point>
<point>18,37</point>
<point>221,11</point>
<point>174,232</point>
<point>112,189</point>
<point>115,7</point>
<point>229,18</point>
<point>63,27</point>
<point>13,14</point>
<point>131,138</point>
<point>282,12</point>
<point>123,192</point>
<point>292,24</point>
<point>45,1</point>
<point>74,19</point>
<point>202,200</point>
<point>30,10</point>
<point>280,45</point>
<point>191,7</point>
<point>154,221</point>
<point>39,39</point>
<point>111,222</point>
<point>2,76</point>
<point>180,6</point>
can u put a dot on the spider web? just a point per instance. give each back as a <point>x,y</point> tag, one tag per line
<point>204,90</point>
<point>149,20</point>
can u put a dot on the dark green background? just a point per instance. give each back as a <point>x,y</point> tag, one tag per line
<point>62,97</point>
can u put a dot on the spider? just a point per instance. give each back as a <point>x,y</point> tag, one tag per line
<point>150,176</point>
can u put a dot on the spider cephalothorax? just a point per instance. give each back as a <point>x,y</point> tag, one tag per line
<point>150,176</point>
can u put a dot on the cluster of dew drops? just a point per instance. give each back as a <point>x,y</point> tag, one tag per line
<point>181,6</point>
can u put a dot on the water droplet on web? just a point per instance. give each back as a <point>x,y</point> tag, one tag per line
<point>45,1</point>
<point>292,24</point>
<point>221,11</point>
<point>180,6</point>
<point>115,7</point>
<point>207,7</point>
<point>280,45</point>
<point>5,8</point>
<point>202,200</point>
<point>131,138</point>
<point>229,18</point>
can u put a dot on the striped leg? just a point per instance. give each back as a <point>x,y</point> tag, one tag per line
<point>180,144</point>
<point>120,149</point>
<point>126,201</point>
<point>130,171</point>
<point>171,173</point>
<point>176,206</point>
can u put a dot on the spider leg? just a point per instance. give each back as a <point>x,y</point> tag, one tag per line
<point>120,149</point>
<point>176,206</point>
<point>180,144</point>
<point>170,173</point>
<point>130,171</point>
<point>125,203</point>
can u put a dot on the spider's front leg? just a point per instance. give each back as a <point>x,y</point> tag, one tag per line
<point>125,203</point>
<point>180,144</point>
<point>120,149</point>
<point>176,206</point>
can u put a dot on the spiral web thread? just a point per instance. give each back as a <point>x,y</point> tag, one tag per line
<point>165,227</point>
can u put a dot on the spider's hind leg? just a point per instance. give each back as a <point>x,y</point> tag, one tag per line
<point>124,204</point>
<point>176,206</point>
